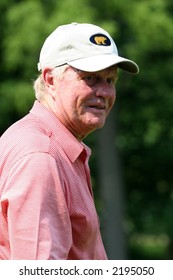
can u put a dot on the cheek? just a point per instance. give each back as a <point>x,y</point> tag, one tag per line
<point>71,104</point>
<point>112,100</point>
<point>67,94</point>
<point>80,97</point>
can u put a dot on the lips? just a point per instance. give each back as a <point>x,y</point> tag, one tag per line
<point>97,105</point>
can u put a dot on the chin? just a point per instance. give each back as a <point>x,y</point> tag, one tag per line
<point>97,125</point>
<point>92,123</point>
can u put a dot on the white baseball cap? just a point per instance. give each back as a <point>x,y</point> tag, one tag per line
<point>84,46</point>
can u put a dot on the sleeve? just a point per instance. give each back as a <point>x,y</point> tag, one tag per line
<point>38,218</point>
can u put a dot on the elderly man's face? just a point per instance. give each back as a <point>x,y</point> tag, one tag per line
<point>84,99</point>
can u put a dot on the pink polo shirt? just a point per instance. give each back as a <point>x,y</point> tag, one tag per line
<point>47,209</point>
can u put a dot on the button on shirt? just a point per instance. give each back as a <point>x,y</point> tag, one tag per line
<point>47,208</point>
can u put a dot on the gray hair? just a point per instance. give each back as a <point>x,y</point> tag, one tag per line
<point>39,84</point>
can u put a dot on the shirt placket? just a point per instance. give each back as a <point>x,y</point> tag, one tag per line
<point>85,159</point>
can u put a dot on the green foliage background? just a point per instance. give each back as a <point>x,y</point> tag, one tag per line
<point>143,31</point>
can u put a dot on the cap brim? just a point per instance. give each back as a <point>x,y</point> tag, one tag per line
<point>101,62</point>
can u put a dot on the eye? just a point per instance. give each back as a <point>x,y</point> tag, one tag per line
<point>111,80</point>
<point>90,78</point>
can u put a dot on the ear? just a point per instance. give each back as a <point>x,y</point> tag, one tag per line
<point>49,81</point>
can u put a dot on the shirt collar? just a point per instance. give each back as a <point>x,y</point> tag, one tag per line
<point>71,146</point>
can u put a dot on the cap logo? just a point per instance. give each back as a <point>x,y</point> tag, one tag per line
<point>100,39</point>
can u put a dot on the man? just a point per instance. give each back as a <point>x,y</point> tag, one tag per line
<point>47,208</point>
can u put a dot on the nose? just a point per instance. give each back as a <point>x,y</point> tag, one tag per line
<point>106,92</point>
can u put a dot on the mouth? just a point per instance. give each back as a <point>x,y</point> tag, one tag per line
<point>98,107</point>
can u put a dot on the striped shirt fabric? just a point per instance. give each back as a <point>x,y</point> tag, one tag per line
<point>47,208</point>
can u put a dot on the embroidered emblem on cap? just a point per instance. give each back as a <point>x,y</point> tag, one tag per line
<point>100,39</point>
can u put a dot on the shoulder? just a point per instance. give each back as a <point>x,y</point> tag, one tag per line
<point>26,136</point>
